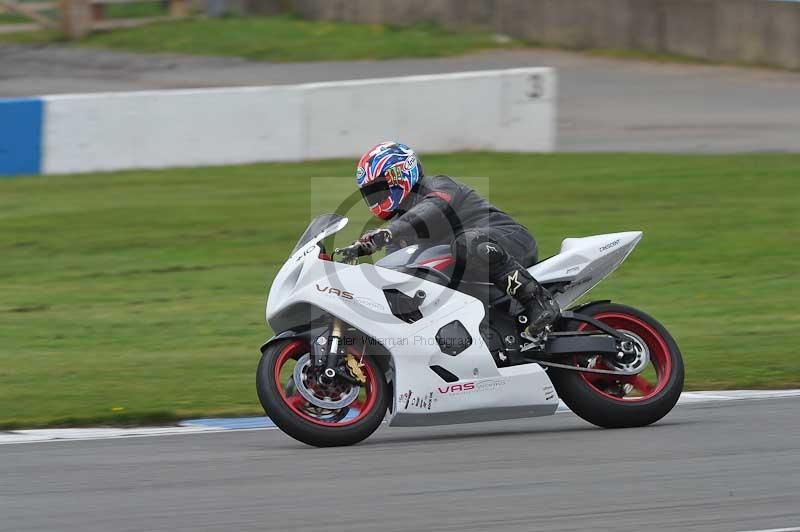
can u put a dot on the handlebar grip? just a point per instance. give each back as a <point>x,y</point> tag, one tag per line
<point>353,250</point>
<point>361,250</point>
<point>381,239</point>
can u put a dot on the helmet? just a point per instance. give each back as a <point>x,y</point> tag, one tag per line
<point>385,175</point>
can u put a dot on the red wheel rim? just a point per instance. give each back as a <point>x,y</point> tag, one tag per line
<point>298,404</point>
<point>659,359</point>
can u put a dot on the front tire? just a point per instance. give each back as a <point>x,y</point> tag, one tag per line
<point>607,401</point>
<point>309,424</point>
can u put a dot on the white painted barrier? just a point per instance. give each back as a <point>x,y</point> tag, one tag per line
<point>502,110</point>
<point>91,132</point>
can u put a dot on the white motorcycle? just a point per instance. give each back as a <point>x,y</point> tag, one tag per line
<point>357,340</point>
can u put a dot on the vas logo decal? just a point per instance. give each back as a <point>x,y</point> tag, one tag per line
<point>477,386</point>
<point>452,388</point>
<point>335,291</point>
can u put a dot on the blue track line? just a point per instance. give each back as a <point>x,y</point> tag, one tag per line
<point>233,423</point>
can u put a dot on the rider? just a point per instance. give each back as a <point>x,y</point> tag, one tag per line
<point>485,241</point>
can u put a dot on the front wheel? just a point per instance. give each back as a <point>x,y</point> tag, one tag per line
<point>339,413</point>
<point>624,401</point>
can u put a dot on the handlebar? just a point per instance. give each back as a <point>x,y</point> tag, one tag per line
<point>379,240</point>
<point>350,253</point>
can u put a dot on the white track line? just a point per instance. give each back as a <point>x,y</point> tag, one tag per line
<point>32,436</point>
<point>793,529</point>
<point>49,435</point>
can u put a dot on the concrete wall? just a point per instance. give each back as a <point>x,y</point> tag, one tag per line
<point>113,131</point>
<point>508,110</point>
<point>502,110</point>
<point>753,31</point>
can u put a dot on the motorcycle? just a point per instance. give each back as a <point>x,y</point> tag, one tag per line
<point>401,340</point>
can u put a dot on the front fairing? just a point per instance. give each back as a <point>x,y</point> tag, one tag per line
<point>304,253</point>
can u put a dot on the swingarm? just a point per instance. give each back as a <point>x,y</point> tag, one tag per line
<point>619,352</point>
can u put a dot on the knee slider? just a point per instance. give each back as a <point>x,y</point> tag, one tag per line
<point>476,245</point>
<point>490,253</point>
<point>465,243</point>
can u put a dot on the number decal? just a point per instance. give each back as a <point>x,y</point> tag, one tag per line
<point>536,86</point>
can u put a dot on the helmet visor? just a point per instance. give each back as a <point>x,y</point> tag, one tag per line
<point>376,192</point>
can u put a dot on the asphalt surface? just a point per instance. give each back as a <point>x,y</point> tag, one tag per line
<point>604,104</point>
<point>726,466</point>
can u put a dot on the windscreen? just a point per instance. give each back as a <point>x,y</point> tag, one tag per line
<point>324,223</point>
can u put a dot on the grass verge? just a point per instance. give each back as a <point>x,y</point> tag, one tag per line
<point>280,38</point>
<point>138,296</point>
<point>288,38</point>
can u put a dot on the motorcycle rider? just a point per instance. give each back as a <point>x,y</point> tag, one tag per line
<point>485,241</point>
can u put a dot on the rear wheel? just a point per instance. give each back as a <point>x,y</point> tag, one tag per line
<point>323,415</point>
<point>624,401</point>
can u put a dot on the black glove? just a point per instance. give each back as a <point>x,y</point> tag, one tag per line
<point>372,241</point>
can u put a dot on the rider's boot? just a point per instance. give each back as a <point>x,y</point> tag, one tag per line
<point>540,307</point>
<point>511,277</point>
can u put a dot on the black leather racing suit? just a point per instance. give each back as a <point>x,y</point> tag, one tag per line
<point>487,243</point>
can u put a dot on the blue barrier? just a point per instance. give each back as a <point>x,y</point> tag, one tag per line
<point>21,136</point>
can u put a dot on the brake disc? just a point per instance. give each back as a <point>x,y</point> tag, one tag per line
<point>641,355</point>
<point>323,396</point>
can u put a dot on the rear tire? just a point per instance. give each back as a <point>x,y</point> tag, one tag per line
<point>586,395</point>
<point>301,426</point>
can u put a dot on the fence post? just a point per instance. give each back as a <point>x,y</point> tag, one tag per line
<point>177,8</point>
<point>76,18</point>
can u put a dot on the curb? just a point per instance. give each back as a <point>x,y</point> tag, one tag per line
<point>211,425</point>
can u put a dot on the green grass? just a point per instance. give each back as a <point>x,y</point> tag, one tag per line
<point>138,296</point>
<point>12,18</point>
<point>287,38</point>
<point>281,38</point>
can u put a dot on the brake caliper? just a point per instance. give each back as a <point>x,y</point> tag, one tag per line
<point>354,367</point>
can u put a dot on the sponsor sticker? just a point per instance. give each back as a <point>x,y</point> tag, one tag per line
<point>334,291</point>
<point>486,385</point>
<point>369,303</point>
<point>610,245</point>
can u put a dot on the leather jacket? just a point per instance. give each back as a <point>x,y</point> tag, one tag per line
<point>439,208</point>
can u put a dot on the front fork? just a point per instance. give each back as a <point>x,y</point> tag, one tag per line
<point>334,342</point>
<point>328,353</point>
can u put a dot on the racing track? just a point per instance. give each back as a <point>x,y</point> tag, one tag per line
<point>604,104</point>
<point>727,466</point>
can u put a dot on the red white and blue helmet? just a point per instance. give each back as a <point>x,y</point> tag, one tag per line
<point>385,175</point>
